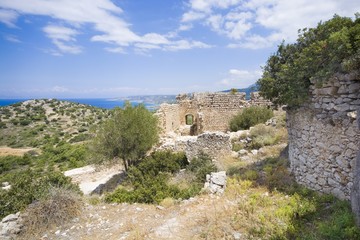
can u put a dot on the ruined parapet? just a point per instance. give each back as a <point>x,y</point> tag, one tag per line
<point>214,144</point>
<point>257,100</point>
<point>324,137</point>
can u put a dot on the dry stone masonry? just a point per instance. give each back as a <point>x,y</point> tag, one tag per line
<point>324,138</point>
<point>200,112</point>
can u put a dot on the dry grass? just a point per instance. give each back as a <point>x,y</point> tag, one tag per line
<point>8,151</point>
<point>59,207</point>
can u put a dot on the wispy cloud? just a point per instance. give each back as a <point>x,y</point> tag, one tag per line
<point>102,15</point>
<point>12,38</point>
<point>237,78</point>
<point>279,19</point>
<point>63,38</point>
<point>8,17</point>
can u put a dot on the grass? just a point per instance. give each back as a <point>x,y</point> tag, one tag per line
<point>267,203</point>
<point>58,207</point>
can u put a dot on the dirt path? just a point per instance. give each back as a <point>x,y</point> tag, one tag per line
<point>90,177</point>
<point>8,151</point>
<point>190,219</point>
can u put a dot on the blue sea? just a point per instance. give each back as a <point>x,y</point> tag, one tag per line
<point>95,102</point>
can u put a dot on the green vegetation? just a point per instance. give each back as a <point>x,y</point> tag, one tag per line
<point>128,135</point>
<point>250,117</point>
<point>150,180</point>
<point>36,122</point>
<point>28,186</point>
<point>333,46</point>
<point>262,135</point>
<point>279,208</point>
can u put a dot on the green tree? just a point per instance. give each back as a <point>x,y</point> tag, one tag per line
<point>128,135</point>
<point>332,47</point>
<point>233,91</point>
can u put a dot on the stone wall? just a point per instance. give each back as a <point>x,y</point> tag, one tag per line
<point>215,144</point>
<point>210,111</point>
<point>324,136</point>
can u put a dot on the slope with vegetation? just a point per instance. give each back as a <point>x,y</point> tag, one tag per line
<point>34,123</point>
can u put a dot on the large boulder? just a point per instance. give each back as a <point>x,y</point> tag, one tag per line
<point>216,182</point>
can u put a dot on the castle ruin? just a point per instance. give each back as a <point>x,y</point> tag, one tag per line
<point>200,112</point>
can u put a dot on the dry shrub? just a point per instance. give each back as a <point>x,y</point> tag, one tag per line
<point>168,202</point>
<point>57,208</point>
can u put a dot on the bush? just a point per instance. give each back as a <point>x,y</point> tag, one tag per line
<point>55,209</point>
<point>29,186</point>
<point>148,182</point>
<point>250,117</point>
<point>262,135</point>
<point>25,122</point>
<point>201,166</point>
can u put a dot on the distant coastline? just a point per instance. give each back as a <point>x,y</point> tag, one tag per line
<point>95,102</point>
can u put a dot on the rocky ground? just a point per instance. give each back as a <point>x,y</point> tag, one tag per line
<point>186,220</point>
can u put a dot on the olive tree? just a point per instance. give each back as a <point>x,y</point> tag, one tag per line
<point>128,135</point>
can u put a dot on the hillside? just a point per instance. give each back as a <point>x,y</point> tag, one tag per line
<point>35,122</point>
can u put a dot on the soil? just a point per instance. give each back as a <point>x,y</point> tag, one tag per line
<point>185,220</point>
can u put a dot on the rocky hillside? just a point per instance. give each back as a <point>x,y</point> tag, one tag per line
<point>35,122</point>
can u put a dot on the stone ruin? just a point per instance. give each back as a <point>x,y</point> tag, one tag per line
<point>201,112</point>
<point>324,139</point>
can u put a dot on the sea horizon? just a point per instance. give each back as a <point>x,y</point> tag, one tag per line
<point>107,103</point>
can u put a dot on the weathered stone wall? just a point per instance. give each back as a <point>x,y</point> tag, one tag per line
<point>168,116</point>
<point>324,136</point>
<point>210,111</point>
<point>215,144</point>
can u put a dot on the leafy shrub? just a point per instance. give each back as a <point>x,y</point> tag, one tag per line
<point>262,135</point>
<point>2,124</point>
<point>29,186</point>
<point>148,182</point>
<point>25,122</point>
<point>8,163</point>
<point>201,166</point>
<point>250,117</point>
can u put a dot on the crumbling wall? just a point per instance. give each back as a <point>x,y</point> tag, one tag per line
<point>211,111</point>
<point>324,136</point>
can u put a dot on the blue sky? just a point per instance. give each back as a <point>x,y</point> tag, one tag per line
<point>104,48</point>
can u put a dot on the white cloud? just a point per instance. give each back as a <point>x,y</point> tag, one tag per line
<point>102,15</point>
<point>192,16</point>
<point>12,38</point>
<point>240,20</point>
<point>59,89</point>
<point>116,50</point>
<point>237,78</point>
<point>8,17</point>
<point>63,38</point>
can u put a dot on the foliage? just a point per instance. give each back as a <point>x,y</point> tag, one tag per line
<point>8,163</point>
<point>333,46</point>
<point>274,206</point>
<point>233,91</point>
<point>201,166</point>
<point>250,117</point>
<point>263,135</point>
<point>64,155</point>
<point>29,186</point>
<point>148,182</point>
<point>128,135</point>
